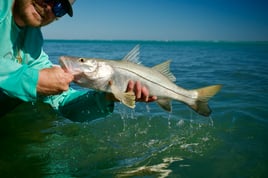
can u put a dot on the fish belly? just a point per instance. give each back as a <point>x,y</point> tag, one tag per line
<point>158,85</point>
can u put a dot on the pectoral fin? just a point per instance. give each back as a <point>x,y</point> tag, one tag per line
<point>127,98</point>
<point>165,104</point>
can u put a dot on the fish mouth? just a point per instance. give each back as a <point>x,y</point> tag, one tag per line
<point>77,78</point>
<point>65,65</point>
<point>69,66</point>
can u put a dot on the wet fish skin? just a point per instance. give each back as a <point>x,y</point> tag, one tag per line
<point>113,76</point>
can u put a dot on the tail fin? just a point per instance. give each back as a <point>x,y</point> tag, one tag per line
<point>204,94</point>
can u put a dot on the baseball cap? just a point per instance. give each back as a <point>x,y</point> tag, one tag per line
<point>68,4</point>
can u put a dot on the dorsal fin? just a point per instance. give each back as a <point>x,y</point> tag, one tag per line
<point>133,55</point>
<point>164,69</point>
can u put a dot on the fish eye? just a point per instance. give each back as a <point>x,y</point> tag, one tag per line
<point>82,60</point>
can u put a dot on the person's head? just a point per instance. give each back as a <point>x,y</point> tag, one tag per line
<point>38,13</point>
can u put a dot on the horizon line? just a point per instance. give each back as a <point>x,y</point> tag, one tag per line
<point>112,40</point>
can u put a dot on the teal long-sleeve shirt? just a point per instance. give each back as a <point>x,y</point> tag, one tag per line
<point>21,58</point>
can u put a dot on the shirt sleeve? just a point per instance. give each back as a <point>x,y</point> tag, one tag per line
<point>85,105</point>
<point>4,5</point>
<point>18,81</point>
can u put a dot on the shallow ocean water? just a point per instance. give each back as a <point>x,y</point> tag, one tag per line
<point>147,141</point>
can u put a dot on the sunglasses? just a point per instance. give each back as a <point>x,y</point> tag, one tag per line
<point>58,8</point>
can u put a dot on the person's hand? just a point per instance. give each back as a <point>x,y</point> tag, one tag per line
<point>53,81</point>
<point>141,92</point>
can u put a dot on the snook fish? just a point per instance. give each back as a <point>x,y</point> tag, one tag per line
<point>112,76</point>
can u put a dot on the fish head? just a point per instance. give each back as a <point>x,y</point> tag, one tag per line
<point>87,72</point>
<point>77,65</point>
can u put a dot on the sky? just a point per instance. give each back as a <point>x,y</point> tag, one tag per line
<point>164,20</point>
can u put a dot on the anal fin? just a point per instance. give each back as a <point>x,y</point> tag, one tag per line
<point>165,104</point>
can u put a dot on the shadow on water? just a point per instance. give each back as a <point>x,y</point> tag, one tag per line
<point>19,130</point>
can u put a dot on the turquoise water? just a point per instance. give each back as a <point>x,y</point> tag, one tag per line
<point>147,141</point>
